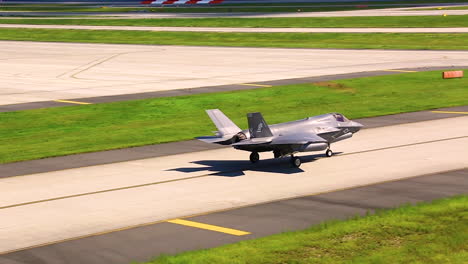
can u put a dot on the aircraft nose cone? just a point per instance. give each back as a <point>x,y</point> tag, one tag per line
<point>357,126</point>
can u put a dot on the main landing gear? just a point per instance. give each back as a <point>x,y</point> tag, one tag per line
<point>329,153</point>
<point>295,161</point>
<point>254,157</point>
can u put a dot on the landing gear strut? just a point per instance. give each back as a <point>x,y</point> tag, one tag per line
<point>295,162</point>
<point>254,157</point>
<point>329,153</point>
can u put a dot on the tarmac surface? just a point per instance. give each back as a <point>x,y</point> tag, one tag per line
<point>57,206</point>
<point>248,30</point>
<point>144,242</point>
<point>41,71</point>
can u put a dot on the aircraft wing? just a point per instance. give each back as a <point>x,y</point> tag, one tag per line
<point>297,139</point>
<point>291,139</point>
<point>254,141</point>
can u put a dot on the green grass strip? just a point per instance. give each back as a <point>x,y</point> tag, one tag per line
<point>419,41</point>
<point>425,233</point>
<point>40,133</point>
<point>445,8</point>
<point>282,22</point>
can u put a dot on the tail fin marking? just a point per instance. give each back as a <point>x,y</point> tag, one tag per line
<point>257,126</point>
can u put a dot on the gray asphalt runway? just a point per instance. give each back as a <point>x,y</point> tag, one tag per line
<point>159,150</point>
<point>211,89</point>
<point>144,242</point>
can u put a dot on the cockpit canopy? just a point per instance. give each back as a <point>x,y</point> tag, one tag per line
<point>340,118</point>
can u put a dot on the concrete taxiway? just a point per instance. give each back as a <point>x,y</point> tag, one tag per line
<point>248,30</point>
<point>39,209</point>
<point>212,89</point>
<point>37,71</point>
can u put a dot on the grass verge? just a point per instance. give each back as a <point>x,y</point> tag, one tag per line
<point>445,8</point>
<point>40,133</point>
<point>279,22</point>
<point>426,41</point>
<point>426,233</point>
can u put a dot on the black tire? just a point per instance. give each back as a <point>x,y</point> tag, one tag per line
<point>254,157</point>
<point>276,154</point>
<point>329,153</point>
<point>296,162</point>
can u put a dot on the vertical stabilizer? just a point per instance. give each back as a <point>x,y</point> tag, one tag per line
<point>257,126</point>
<point>224,125</point>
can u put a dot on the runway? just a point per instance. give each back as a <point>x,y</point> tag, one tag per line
<point>144,242</point>
<point>247,30</point>
<point>102,198</point>
<point>40,71</point>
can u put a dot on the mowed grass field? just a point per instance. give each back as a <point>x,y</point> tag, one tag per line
<point>428,233</point>
<point>40,133</point>
<point>420,41</point>
<point>278,22</point>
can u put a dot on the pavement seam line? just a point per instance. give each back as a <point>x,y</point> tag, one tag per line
<point>254,84</point>
<point>216,211</point>
<point>450,112</point>
<point>215,228</point>
<point>103,191</point>
<point>398,71</point>
<point>71,102</point>
<point>401,146</point>
<point>206,175</point>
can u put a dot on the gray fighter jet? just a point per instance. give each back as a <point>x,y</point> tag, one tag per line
<point>284,139</point>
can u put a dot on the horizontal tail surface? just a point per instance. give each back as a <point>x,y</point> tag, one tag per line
<point>224,125</point>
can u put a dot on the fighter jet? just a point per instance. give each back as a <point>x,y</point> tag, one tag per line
<point>284,139</point>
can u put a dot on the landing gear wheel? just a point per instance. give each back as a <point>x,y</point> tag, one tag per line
<point>296,162</point>
<point>254,157</point>
<point>276,154</point>
<point>329,153</point>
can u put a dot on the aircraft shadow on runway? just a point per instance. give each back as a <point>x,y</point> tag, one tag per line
<point>234,168</point>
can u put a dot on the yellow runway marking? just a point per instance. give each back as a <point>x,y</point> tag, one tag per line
<point>450,112</point>
<point>71,102</point>
<point>398,71</point>
<point>209,227</point>
<point>253,84</point>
